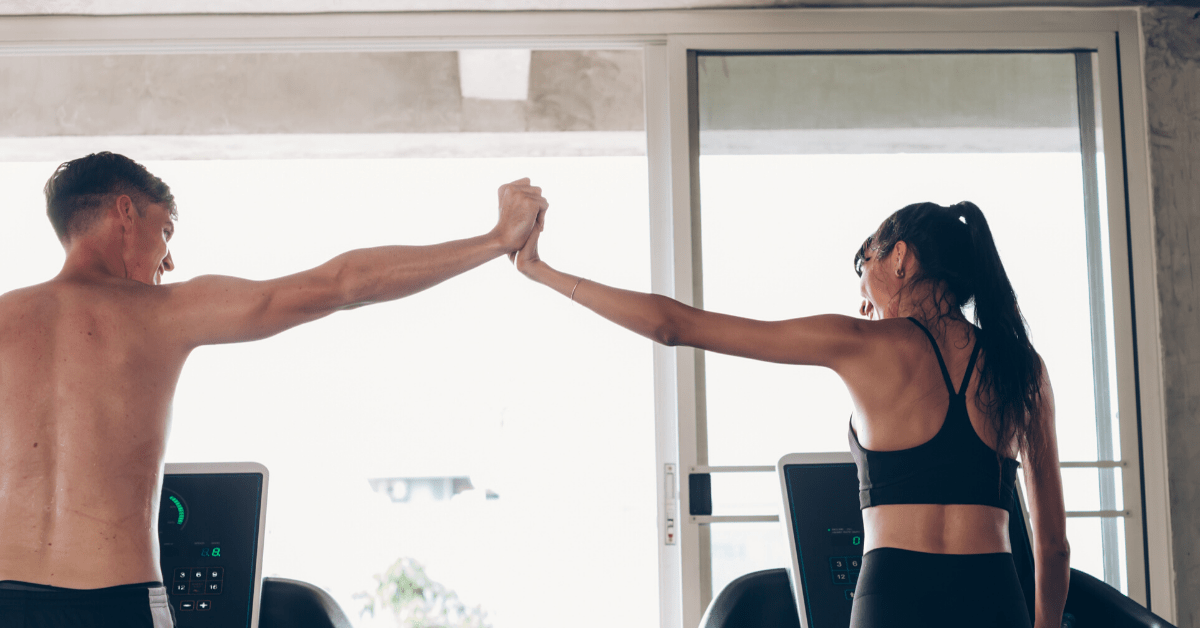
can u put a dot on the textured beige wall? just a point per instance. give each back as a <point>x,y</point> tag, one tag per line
<point>592,90</point>
<point>848,91</point>
<point>1173,108</point>
<point>384,92</point>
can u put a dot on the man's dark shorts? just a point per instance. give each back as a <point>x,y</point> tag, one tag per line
<point>25,605</point>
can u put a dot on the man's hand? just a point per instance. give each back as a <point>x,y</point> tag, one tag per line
<point>520,206</point>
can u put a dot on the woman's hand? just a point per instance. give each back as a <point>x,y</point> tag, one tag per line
<point>527,259</point>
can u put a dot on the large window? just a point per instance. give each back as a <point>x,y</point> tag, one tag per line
<point>467,432</point>
<point>527,454</point>
<point>802,156</point>
<point>488,378</point>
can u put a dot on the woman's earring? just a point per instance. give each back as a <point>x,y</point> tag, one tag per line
<point>900,273</point>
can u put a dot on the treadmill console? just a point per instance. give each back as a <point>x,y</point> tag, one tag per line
<point>210,531</point>
<point>825,530</point>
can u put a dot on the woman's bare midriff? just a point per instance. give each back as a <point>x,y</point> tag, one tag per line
<point>937,528</point>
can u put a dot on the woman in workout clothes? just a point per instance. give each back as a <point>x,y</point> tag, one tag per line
<point>943,408</point>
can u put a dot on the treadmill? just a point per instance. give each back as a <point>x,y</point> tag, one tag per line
<point>211,528</point>
<point>823,523</point>
<point>821,513</point>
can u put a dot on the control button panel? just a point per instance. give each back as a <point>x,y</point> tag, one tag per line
<point>844,571</point>
<point>208,532</point>
<point>197,581</point>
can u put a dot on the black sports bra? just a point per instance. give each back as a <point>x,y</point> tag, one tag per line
<point>953,467</point>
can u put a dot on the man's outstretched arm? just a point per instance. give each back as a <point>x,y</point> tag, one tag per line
<point>218,309</point>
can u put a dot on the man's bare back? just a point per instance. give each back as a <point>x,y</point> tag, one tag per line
<point>86,383</point>
<point>89,362</point>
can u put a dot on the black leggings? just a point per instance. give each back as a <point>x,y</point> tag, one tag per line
<point>899,588</point>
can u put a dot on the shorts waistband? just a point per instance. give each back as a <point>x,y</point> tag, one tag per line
<point>31,591</point>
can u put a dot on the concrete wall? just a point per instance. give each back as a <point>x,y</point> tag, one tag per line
<point>881,104</point>
<point>368,93</point>
<point>589,90</point>
<point>849,91</point>
<point>1173,106</point>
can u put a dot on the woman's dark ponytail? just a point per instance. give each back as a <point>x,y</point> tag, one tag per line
<point>954,247</point>
<point>1011,377</point>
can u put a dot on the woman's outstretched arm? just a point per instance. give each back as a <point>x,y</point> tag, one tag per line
<point>1047,511</point>
<point>826,340</point>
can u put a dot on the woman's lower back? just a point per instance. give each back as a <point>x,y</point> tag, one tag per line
<point>937,528</point>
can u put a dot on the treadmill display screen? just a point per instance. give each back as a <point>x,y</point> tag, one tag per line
<point>829,535</point>
<point>208,537</point>
<point>839,537</point>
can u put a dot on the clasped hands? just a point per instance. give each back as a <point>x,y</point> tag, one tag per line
<point>522,218</point>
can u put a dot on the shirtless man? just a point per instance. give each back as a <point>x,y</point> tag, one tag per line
<point>88,366</point>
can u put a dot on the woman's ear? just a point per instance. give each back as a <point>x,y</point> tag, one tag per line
<point>900,259</point>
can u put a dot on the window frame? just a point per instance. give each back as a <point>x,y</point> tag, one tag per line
<point>1145,533</point>
<point>665,37</point>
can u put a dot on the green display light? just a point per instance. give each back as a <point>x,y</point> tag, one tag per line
<point>856,540</point>
<point>179,507</point>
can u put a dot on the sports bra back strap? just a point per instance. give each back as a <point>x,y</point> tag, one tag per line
<point>970,367</point>
<point>938,353</point>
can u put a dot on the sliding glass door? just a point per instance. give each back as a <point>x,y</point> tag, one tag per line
<point>797,156</point>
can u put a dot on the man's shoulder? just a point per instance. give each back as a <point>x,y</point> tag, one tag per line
<point>80,293</point>
<point>27,295</point>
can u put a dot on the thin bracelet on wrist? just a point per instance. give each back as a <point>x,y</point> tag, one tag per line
<point>576,288</point>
